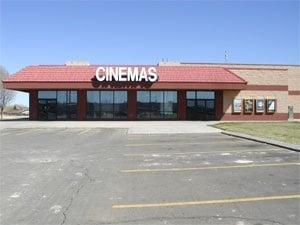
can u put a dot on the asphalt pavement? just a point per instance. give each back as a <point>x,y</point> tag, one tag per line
<point>109,176</point>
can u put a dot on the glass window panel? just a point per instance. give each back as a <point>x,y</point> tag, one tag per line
<point>107,115</point>
<point>143,114</point>
<point>120,104</point>
<point>205,94</point>
<point>170,115</point>
<point>191,103</point>
<point>107,100</point>
<point>120,97</point>
<point>73,96</point>
<point>190,94</point>
<point>157,115</point>
<point>93,100</point>
<point>143,104</point>
<point>157,101</point>
<point>62,105</point>
<point>143,96</point>
<point>92,115</point>
<point>47,94</point>
<point>65,106</point>
<point>170,101</point>
<point>51,111</point>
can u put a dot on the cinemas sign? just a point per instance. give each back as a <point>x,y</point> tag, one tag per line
<point>126,74</point>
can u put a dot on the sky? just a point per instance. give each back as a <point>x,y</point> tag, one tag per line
<point>145,32</point>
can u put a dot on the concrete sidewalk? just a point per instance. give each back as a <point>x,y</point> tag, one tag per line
<point>134,127</point>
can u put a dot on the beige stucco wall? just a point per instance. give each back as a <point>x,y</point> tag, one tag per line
<point>294,100</point>
<point>266,74</point>
<point>294,78</point>
<point>281,96</point>
<point>262,74</point>
<point>263,77</point>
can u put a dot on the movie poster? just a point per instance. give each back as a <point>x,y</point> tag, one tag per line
<point>248,106</point>
<point>237,105</point>
<point>259,105</point>
<point>271,105</point>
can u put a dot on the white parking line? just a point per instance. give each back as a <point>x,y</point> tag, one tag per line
<point>181,143</point>
<point>209,167</point>
<point>206,152</point>
<point>26,132</point>
<point>83,132</point>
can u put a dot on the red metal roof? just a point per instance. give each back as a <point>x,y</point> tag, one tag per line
<point>63,73</point>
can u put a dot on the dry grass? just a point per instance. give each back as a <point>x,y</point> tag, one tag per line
<point>283,131</point>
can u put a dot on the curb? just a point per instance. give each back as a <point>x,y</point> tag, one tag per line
<point>293,147</point>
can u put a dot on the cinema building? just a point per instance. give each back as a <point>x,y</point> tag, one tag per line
<point>166,91</point>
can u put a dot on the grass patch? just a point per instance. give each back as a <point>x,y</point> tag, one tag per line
<point>288,132</point>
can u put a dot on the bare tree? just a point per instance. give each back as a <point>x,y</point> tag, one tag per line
<point>6,96</point>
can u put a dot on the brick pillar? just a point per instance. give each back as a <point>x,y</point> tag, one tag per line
<point>81,105</point>
<point>181,105</point>
<point>219,104</point>
<point>33,105</point>
<point>131,104</point>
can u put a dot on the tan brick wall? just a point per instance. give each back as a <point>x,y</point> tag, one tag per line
<point>294,100</point>
<point>262,74</point>
<point>263,77</point>
<point>294,78</point>
<point>281,96</point>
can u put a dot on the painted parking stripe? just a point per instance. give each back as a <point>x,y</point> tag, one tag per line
<point>83,132</point>
<point>4,134</point>
<point>209,167</point>
<point>181,143</point>
<point>206,152</point>
<point>208,202</point>
<point>27,132</point>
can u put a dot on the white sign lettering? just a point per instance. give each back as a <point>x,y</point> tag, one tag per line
<point>122,74</point>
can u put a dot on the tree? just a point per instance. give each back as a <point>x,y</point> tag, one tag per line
<point>6,96</point>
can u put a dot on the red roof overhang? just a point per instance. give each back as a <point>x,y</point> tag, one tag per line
<point>82,77</point>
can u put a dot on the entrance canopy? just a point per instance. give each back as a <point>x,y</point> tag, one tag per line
<point>83,77</point>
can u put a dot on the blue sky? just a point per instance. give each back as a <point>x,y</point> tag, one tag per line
<point>144,32</point>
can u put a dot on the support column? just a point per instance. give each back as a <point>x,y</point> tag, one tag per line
<point>181,105</point>
<point>219,104</point>
<point>131,105</point>
<point>33,105</point>
<point>81,105</point>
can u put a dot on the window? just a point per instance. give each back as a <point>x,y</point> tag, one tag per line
<point>93,105</point>
<point>60,105</point>
<point>170,104</point>
<point>143,105</point>
<point>156,104</point>
<point>46,94</point>
<point>200,105</point>
<point>72,104</point>
<point>120,105</point>
<point>200,95</point>
<point>107,104</point>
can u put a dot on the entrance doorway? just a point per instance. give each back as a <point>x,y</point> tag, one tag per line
<point>47,109</point>
<point>200,105</point>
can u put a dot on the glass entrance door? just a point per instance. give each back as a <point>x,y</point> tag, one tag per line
<point>200,105</point>
<point>47,109</point>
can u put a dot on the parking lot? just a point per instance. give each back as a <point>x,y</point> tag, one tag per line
<point>108,176</point>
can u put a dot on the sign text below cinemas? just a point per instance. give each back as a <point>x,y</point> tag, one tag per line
<point>123,74</point>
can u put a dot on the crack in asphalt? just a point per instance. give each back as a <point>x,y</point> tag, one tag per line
<point>89,180</point>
